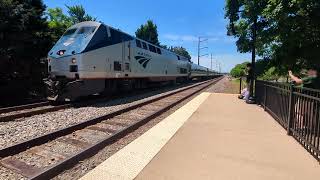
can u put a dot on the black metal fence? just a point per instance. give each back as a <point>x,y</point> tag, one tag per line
<point>296,109</point>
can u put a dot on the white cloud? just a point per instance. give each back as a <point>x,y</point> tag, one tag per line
<point>174,37</point>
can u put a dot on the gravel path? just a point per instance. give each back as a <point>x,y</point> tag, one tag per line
<point>226,85</point>
<point>26,128</point>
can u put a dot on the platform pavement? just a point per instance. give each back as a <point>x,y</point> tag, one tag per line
<point>221,138</point>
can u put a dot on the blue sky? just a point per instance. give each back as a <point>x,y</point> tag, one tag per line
<point>180,23</point>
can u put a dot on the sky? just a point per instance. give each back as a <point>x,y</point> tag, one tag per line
<point>180,23</point>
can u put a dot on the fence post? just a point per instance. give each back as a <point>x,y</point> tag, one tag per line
<point>240,85</point>
<point>265,97</point>
<point>291,110</point>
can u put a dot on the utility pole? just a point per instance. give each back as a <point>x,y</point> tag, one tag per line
<point>217,68</point>
<point>201,40</point>
<point>211,61</point>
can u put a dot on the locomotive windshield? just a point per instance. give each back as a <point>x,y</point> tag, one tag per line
<point>86,30</point>
<point>70,32</point>
<point>73,41</point>
<point>86,38</point>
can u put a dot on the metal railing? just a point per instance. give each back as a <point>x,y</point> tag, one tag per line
<point>294,108</point>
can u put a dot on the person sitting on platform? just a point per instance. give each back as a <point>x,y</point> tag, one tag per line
<point>245,93</point>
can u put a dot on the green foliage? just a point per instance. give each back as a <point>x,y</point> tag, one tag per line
<point>239,70</point>
<point>296,27</point>
<point>181,51</point>
<point>148,32</point>
<point>288,31</point>
<point>270,74</point>
<point>24,37</point>
<point>78,14</point>
<point>59,22</point>
<point>244,15</point>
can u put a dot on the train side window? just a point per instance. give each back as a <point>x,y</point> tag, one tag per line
<point>144,45</point>
<point>152,48</point>
<point>117,66</point>
<point>158,50</point>
<point>178,57</point>
<point>138,43</point>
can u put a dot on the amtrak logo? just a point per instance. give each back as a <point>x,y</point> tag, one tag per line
<point>142,60</point>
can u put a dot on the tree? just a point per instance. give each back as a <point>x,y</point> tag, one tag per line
<point>297,31</point>
<point>181,51</point>
<point>78,14</point>
<point>239,70</point>
<point>148,32</point>
<point>23,36</point>
<point>246,18</point>
<point>288,31</point>
<point>58,22</point>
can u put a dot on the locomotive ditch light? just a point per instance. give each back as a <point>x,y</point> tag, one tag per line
<point>73,60</point>
<point>61,52</point>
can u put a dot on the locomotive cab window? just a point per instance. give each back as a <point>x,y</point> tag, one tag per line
<point>86,30</point>
<point>152,48</point>
<point>138,43</point>
<point>70,32</point>
<point>144,45</point>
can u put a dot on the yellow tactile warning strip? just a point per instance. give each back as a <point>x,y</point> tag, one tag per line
<point>128,162</point>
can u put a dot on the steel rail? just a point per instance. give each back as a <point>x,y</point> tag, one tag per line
<point>20,147</point>
<point>23,107</point>
<point>11,117</point>
<point>69,162</point>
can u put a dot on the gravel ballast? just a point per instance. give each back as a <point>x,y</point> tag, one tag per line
<point>14,132</point>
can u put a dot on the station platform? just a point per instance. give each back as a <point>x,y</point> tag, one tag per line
<point>216,137</point>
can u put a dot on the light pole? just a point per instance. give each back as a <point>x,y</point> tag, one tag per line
<point>252,99</point>
<point>235,9</point>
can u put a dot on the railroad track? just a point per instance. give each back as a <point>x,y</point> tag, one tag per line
<point>23,107</point>
<point>47,156</point>
<point>16,112</point>
<point>12,113</point>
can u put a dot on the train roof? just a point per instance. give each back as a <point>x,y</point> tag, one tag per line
<point>94,23</point>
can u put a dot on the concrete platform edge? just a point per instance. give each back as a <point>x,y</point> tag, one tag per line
<point>129,162</point>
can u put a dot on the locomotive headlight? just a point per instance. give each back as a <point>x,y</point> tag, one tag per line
<point>73,60</point>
